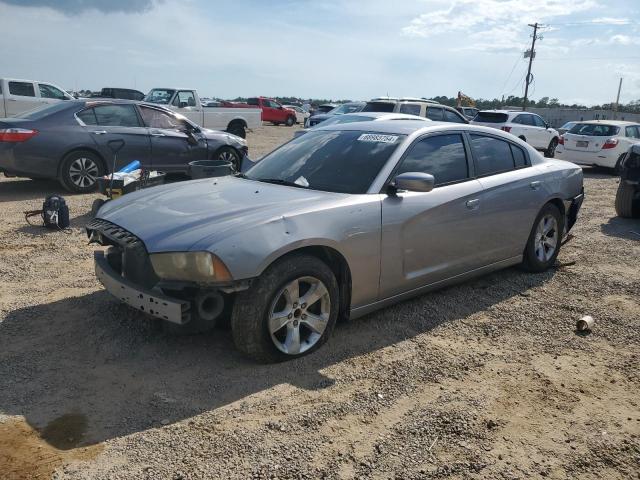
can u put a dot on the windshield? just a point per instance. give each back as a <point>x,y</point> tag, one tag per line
<point>491,117</point>
<point>332,161</point>
<point>594,129</point>
<point>379,107</point>
<point>43,111</point>
<point>159,95</point>
<point>347,108</point>
<point>567,125</point>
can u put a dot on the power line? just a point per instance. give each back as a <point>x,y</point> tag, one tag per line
<point>510,73</point>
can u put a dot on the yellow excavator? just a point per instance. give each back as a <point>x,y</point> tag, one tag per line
<point>466,106</point>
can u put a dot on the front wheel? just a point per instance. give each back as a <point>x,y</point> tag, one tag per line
<point>290,121</point>
<point>288,312</point>
<point>551,149</point>
<point>544,241</point>
<point>229,154</point>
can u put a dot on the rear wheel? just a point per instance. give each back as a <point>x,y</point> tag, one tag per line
<point>551,149</point>
<point>543,245</point>
<point>627,206</point>
<point>80,170</point>
<point>288,312</point>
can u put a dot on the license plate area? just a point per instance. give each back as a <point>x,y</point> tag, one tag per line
<point>582,143</point>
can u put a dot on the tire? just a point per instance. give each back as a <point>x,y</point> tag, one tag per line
<point>253,308</point>
<point>617,168</point>
<point>551,149</point>
<point>537,255</point>
<point>626,205</point>
<point>79,171</point>
<point>290,121</point>
<point>228,154</point>
<point>95,206</point>
<point>237,129</point>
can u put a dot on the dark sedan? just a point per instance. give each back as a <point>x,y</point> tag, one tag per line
<point>69,140</point>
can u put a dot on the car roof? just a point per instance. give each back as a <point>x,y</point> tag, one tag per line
<point>608,122</point>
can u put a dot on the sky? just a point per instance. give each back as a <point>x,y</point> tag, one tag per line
<point>332,49</point>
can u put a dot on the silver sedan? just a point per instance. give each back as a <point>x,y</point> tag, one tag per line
<point>334,224</point>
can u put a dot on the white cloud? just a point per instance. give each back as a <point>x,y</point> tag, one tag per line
<point>487,14</point>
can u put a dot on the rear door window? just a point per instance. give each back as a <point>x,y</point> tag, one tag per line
<point>491,155</point>
<point>88,117</point>
<point>524,119</point>
<point>22,89</point>
<point>434,113</point>
<point>117,116</point>
<point>442,156</point>
<point>519,157</point>
<point>410,108</point>
<point>633,132</point>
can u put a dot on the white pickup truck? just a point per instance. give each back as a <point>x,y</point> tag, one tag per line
<point>235,120</point>
<point>18,96</point>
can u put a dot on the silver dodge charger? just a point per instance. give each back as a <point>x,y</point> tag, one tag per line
<point>335,224</point>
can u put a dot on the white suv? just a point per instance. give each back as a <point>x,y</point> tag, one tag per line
<point>525,125</point>
<point>598,142</point>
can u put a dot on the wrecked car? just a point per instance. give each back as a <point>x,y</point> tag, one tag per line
<point>628,194</point>
<point>334,224</point>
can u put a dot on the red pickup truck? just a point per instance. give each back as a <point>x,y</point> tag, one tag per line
<point>273,112</point>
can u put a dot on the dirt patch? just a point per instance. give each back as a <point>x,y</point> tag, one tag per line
<point>26,454</point>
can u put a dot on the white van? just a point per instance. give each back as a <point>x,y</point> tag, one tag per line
<point>17,96</point>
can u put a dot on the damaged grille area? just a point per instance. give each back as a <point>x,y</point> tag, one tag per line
<point>127,255</point>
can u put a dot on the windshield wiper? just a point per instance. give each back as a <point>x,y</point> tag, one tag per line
<point>279,181</point>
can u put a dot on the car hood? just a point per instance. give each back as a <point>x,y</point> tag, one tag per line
<point>178,216</point>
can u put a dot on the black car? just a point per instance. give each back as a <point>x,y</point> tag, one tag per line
<point>68,141</point>
<point>628,195</point>
<point>121,93</point>
<point>351,107</point>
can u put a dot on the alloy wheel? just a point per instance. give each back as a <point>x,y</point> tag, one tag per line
<point>228,156</point>
<point>299,315</point>
<point>546,238</point>
<point>83,172</point>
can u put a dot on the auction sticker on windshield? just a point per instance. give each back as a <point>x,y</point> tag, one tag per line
<point>373,137</point>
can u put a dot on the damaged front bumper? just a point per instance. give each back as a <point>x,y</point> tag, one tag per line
<point>146,300</point>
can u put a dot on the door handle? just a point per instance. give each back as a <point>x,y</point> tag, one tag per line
<point>535,185</point>
<point>100,132</point>
<point>157,134</point>
<point>473,204</point>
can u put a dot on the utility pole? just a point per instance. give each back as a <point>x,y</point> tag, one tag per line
<point>615,105</point>
<point>531,53</point>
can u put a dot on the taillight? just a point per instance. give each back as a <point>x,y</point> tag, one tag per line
<point>561,140</point>
<point>506,129</point>
<point>16,135</point>
<point>610,143</point>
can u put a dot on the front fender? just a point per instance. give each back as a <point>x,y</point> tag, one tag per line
<point>353,230</point>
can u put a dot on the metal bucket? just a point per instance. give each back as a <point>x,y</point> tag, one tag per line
<point>209,168</point>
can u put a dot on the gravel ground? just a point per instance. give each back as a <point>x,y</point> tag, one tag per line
<point>487,379</point>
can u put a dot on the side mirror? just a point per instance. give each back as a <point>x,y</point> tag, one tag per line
<point>414,182</point>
